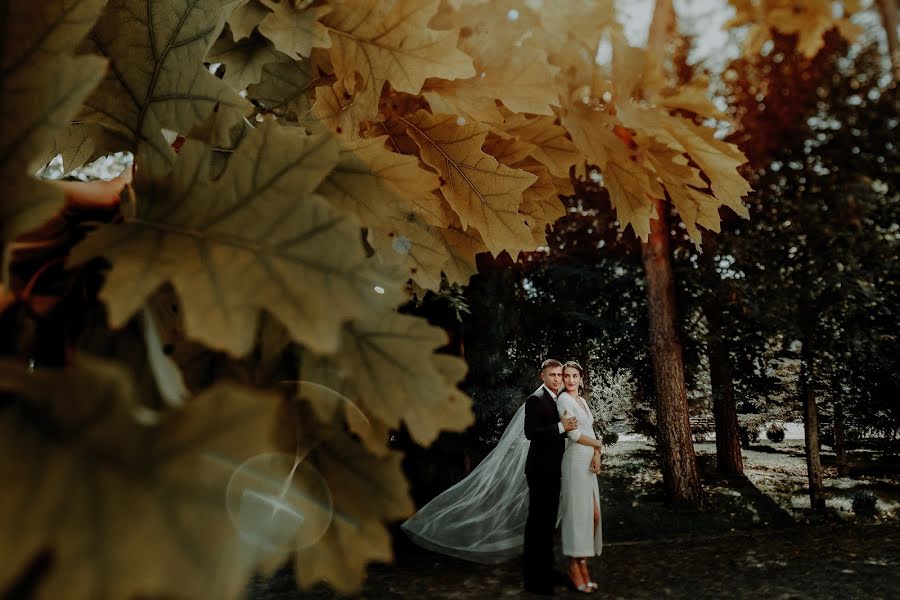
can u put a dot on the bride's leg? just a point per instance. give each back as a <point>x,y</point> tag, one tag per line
<point>584,566</point>
<point>575,574</point>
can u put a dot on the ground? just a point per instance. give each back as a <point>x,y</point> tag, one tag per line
<point>754,538</point>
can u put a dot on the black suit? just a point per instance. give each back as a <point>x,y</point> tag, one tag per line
<point>543,472</point>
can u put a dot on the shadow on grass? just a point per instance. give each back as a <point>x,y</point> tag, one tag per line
<point>634,503</point>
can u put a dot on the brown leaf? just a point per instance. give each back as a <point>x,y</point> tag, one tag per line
<point>256,238</point>
<point>295,32</point>
<point>243,59</point>
<point>157,78</point>
<point>79,470</point>
<point>393,43</point>
<point>485,194</point>
<point>42,85</point>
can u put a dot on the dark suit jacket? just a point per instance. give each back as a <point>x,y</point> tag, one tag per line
<point>542,428</point>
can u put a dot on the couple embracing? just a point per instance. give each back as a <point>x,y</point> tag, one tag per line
<point>542,473</point>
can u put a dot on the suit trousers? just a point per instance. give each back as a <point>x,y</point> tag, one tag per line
<point>543,505</point>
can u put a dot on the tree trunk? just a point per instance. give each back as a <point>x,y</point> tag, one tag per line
<point>681,477</point>
<point>728,437</point>
<point>840,439</point>
<point>811,429</point>
<point>889,20</point>
<point>679,464</point>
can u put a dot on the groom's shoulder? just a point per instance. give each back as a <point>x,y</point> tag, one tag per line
<point>538,393</point>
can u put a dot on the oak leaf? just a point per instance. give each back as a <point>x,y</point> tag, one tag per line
<point>245,18</point>
<point>127,509</point>
<point>396,376</point>
<point>485,194</point>
<point>392,43</point>
<point>295,31</point>
<point>244,59</point>
<point>366,492</point>
<point>157,79</point>
<point>42,85</point>
<point>285,88</point>
<point>256,238</point>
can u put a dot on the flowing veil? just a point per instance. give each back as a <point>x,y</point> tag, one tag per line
<point>481,518</point>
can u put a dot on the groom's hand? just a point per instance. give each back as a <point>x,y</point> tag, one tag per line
<point>569,423</point>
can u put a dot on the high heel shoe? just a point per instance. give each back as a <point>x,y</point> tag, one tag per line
<point>584,588</point>
<point>585,574</point>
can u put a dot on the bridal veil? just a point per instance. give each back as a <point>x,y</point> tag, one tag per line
<point>481,518</point>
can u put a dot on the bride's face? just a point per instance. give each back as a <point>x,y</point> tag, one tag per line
<point>571,379</point>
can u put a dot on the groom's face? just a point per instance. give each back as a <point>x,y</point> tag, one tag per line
<point>552,377</point>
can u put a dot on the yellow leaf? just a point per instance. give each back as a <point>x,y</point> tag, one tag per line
<point>461,97</point>
<point>397,378</point>
<point>547,141</point>
<point>719,161</point>
<point>256,238</point>
<point>464,245</point>
<point>336,110</point>
<point>392,43</point>
<point>157,78</point>
<point>541,204</point>
<point>295,32</point>
<point>632,187</point>
<point>370,180</point>
<point>485,194</point>
<point>126,509</point>
<point>42,85</point>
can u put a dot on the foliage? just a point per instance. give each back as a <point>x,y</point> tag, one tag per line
<point>865,504</point>
<point>295,166</point>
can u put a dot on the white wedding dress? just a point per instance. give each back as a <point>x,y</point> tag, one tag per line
<point>579,488</point>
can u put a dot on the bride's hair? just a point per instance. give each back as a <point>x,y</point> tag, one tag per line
<point>574,365</point>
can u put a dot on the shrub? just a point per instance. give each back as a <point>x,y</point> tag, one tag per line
<point>610,438</point>
<point>865,504</point>
<point>775,432</point>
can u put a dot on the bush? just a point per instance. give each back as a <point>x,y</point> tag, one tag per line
<point>775,432</point>
<point>610,438</point>
<point>865,504</point>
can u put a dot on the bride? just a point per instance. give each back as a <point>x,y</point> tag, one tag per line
<point>482,518</point>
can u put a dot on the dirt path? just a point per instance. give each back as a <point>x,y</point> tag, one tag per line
<point>826,561</point>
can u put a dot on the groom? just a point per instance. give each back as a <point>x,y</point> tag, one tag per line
<point>542,470</point>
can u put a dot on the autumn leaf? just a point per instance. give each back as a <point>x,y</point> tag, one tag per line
<point>243,59</point>
<point>484,193</point>
<point>295,31</point>
<point>256,238</point>
<point>366,491</point>
<point>392,43</point>
<point>285,87</point>
<point>463,246</point>
<point>42,85</point>
<point>245,18</point>
<point>157,78</point>
<point>540,203</point>
<point>127,509</point>
<point>396,377</point>
<point>547,142</point>
<point>336,110</point>
<point>808,19</point>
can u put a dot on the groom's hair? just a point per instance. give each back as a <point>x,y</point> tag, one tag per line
<point>550,363</point>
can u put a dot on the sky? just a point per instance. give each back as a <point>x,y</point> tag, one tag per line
<point>704,19</point>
